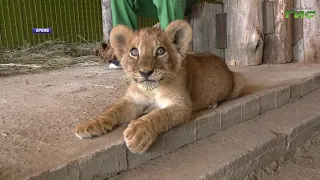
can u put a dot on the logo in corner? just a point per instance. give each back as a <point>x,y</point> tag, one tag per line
<point>300,12</point>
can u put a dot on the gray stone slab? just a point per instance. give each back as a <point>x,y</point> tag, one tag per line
<point>207,123</point>
<point>135,159</point>
<point>306,87</point>
<point>267,100</point>
<point>104,164</point>
<point>283,96</point>
<point>295,90</point>
<point>179,136</point>
<point>231,114</point>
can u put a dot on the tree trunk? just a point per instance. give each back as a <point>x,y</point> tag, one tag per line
<point>244,30</point>
<point>311,32</point>
<point>297,36</point>
<point>278,45</point>
<point>106,19</point>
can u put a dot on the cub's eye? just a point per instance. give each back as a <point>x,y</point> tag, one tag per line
<point>134,52</point>
<point>160,51</point>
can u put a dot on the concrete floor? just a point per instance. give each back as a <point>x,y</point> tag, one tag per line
<point>38,111</point>
<point>305,165</point>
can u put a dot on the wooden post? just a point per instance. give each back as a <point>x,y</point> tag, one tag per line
<point>213,30</point>
<point>200,21</point>
<point>244,30</point>
<point>203,21</point>
<point>106,19</point>
<point>297,36</point>
<point>306,33</point>
<point>311,32</point>
<point>278,45</point>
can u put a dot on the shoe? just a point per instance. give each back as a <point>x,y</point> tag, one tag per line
<point>114,64</point>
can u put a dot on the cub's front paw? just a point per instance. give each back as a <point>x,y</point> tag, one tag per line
<point>92,128</point>
<point>138,137</point>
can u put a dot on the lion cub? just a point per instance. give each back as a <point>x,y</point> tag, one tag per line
<point>166,80</point>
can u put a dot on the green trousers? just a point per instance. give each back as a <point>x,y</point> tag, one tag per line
<point>127,11</point>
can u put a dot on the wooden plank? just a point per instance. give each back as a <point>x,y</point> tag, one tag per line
<point>106,19</point>
<point>297,36</point>
<point>200,22</point>
<point>268,17</point>
<point>297,31</point>
<point>245,32</point>
<point>221,35</point>
<point>298,52</point>
<point>229,54</point>
<point>213,31</point>
<point>297,27</point>
<point>311,33</point>
<point>278,45</point>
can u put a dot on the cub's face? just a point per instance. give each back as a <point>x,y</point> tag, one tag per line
<point>151,56</point>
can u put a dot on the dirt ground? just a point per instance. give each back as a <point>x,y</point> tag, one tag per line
<point>39,111</point>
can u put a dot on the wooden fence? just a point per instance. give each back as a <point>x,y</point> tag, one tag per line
<point>244,33</point>
<point>71,21</point>
<point>143,22</point>
<point>252,32</point>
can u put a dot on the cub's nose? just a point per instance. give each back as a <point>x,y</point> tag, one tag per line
<point>146,73</point>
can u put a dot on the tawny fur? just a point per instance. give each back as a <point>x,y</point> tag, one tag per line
<point>105,52</point>
<point>179,84</point>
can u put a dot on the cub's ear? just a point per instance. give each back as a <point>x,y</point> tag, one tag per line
<point>180,34</point>
<point>120,38</point>
<point>104,46</point>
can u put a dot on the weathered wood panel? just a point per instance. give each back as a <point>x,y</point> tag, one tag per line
<point>200,23</point>
<point>278,45</point>
<point>203,21</point>
<point>106,19</point>
<point>297,27</point>
<point>311,32</point>
<point>221,31</point>
<point>245,37</point>
<point>214,28</point>
<point>268,17</point>
<point>298,52</point>
<point>229,54</point>
<point>297,36</point>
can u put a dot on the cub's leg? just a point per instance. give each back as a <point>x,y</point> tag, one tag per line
<point>120,112</point>
<point>142,132</point>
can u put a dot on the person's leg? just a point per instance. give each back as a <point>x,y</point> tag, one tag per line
<point>146,8</point>
<point>170,10</point>
<point>124,12</point>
